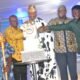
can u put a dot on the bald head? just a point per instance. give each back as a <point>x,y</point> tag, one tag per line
<point>61,7</point>
<point>32,12</point>
<point>31,8</point>
<point>62,11</point>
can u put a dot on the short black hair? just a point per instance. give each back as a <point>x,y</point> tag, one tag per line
<point>76,7</point>
<point>12,16</point>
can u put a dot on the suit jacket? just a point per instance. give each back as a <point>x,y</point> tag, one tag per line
<point>64,40</point>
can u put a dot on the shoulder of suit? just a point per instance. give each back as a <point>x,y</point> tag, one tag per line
<point>57,20</point>
<point>67,20</point>
<point>53,21</point>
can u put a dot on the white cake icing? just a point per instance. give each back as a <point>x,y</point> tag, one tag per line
<point>32,42</point>
<point>32,45</point>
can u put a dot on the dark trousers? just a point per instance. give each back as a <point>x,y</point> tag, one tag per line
<point>64,60</point>
<point>20,72</point>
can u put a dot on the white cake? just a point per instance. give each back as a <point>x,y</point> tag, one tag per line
<point>32,45</point>
<point>32,42</point>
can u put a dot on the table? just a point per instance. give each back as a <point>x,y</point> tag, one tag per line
<point>33,65</point>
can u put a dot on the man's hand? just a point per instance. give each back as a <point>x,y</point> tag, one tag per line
<point>9,61</point>
<point>6,69</point>
<point>43,29</point>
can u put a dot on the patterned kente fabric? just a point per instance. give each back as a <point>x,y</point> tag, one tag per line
<point>64,40</point>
